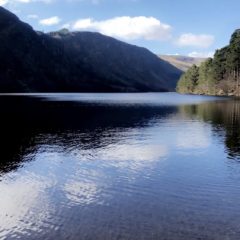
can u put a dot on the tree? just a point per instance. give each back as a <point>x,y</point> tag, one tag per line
<point>189,80</point>
<point>206,81</point>
<point>220,75</point>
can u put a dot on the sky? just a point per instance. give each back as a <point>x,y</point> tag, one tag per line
<point>184,27</point>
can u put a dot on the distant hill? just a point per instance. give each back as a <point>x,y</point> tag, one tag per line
<point>64,61</point>
<point>219,75</point>
<point>182,62</point>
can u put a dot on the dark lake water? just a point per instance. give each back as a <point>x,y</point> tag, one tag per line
<point>148,166</point>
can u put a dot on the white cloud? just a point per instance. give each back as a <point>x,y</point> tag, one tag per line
<point>3,2</point>
<point>50,21</point>
<point>201,54</point>
<point>129,28</point>
<point>192,40</point>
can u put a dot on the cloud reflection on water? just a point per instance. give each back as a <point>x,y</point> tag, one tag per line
<point>70,172</point>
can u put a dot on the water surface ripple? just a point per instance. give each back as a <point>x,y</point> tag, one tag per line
<point>119,167</point>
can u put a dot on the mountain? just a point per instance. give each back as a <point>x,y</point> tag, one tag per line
<point>182,62</point>
<point>217,76</point>
<point>66,61</point>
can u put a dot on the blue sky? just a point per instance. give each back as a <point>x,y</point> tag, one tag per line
<point>185,27</point>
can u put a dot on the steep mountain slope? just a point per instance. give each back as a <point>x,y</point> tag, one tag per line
<point>66,61</point>
<point>182,62</point>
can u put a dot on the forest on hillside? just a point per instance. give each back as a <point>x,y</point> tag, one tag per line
<point>219,75</point>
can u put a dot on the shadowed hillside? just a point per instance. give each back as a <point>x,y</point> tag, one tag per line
<point>66,61</point>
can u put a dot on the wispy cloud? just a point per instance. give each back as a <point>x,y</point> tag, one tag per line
<point>201,54</point>
<point>32,16</point>
<point>50,21</point>
<point>192,40</point>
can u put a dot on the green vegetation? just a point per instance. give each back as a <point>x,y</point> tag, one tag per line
<point>217,76</point>
<point>222,113</point>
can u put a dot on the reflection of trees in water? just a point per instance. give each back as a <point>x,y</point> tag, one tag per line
<point>26,122</point>
<point>24,119</point>
<point>233,129</point>
<point>223,115</point>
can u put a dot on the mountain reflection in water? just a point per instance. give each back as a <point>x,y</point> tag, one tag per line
<point>119,166</point>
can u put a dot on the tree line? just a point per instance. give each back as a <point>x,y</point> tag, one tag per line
<point>219,75</point>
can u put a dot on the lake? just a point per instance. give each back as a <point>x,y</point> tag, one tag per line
<point>158,166</point>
